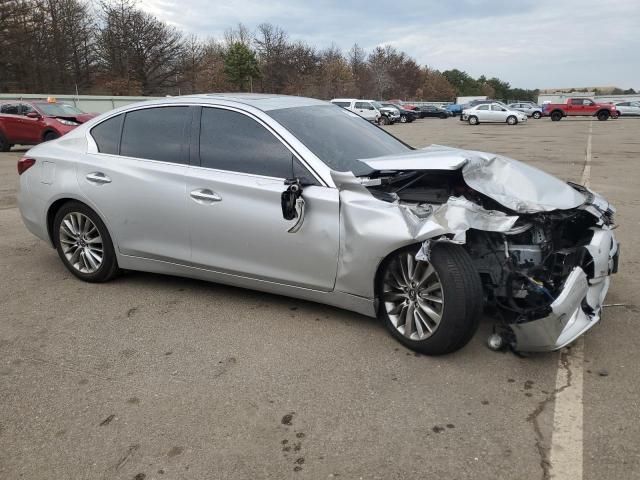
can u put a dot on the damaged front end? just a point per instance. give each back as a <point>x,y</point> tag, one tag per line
<point>544,249</point>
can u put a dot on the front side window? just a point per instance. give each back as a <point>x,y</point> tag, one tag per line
<point>483,107</point>
<point>339,138</point>
<point>107,135</point>
<point>497,108</point>
<point>156,134</point>
<point>363,106</point>
<point>235,142</point>
<point>342,104</point>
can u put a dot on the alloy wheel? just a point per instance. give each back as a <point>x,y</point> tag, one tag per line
<point>413,297</point>
<point>81,242</point>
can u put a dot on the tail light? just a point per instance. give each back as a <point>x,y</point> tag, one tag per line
<point>25,164</point>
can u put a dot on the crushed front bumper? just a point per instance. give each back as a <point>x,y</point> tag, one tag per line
<point>578,307</point>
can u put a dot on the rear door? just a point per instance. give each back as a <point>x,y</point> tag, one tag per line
<point>235,213</point>
<point>136,180</point>
<point>12,122</point>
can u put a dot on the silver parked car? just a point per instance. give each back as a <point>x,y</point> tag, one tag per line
<point>492,113</point>
<point>628,109</point>
<point>299,197</point>
<point>531,109</point>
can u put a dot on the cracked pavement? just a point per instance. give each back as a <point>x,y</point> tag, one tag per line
<point>162,377</point>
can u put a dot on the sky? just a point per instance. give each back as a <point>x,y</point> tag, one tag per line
<point>529,43</point>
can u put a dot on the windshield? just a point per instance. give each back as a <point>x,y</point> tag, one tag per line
<point>377,105</point>
<point>58,109</point>
<point>338,137</point>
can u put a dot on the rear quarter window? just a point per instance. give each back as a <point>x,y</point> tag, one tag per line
<point>107,135</point>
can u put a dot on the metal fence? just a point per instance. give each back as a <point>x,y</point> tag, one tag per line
<point>86,103</point>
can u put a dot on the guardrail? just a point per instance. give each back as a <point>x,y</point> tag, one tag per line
<point>86,103</point>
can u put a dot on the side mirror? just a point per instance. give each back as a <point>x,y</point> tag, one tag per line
<point>293,205</point>
<point>35,115</point>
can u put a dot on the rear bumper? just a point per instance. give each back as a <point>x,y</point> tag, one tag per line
<point>578,307</point>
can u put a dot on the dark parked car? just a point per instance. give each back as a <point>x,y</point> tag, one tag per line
<point>433,111</point>
<point>406,116</point>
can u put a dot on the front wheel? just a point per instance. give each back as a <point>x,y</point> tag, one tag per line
<point>511,120</point>
<point>536,115</point>
<point>431,307</point>
<point>50,136</point>
<point>473,120</point>
<point>403,119</point>
<point>84,244</point>
<point>384,120</point>
<point>443,116</point>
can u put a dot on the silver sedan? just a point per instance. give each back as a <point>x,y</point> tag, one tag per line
<point>299,197</point>
<point>493,113</point>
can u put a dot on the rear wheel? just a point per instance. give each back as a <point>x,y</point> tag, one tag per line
<point>50,136</point>
<point>512,120</point>
<point>473,120</point>
<point>602,116</point>
<point>5,146</point>
<point>444,115</point>
<point>84,244</point>
<point>431,307</point>
<point>536,115</point>
<point>556,116</point>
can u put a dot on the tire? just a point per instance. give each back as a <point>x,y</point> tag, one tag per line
<point>403,119</point>
<point>443,116</point>
<point>5,146</point>
<point>50,136</point>
<point>618,114</point>
<point>459,291</point>
<point>91,236</point>
<point>603,116</point>
<point>512,120</point>
<point>556,116</point>
<point>536,115</point>
<point>384,120</point>
<point>473,120</point>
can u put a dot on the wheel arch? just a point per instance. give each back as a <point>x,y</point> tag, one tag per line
<point>47,131</point>
<point>57,204</point>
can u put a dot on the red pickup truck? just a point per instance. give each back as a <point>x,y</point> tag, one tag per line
<point>575,107</point>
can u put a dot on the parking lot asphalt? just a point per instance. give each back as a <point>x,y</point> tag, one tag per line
<point>162,377</point>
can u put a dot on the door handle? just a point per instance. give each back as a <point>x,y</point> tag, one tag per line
<point>97,178</point>
<point>204,195</point>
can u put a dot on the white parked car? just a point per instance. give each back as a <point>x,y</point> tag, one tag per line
<point>531,109</point>
<point>365,108</point>
<point>628,109</point>
<point>494,112</point>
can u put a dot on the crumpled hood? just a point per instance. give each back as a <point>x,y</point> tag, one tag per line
<point>515,185</point>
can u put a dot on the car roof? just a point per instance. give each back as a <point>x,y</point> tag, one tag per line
<point>261,101</point>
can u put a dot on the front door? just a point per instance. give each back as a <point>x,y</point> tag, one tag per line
<point>235,213</point>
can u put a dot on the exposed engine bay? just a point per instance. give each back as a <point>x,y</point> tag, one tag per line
<point>524,269</point>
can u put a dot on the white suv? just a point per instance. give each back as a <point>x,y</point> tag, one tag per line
<point>365,108</point>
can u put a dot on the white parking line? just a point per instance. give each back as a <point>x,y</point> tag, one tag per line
<point>566,455</point>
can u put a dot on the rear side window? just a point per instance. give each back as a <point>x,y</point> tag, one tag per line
<point>363,106</point>
<point>483,107</point>
<point>10,109</point>
<point>107,135</point>
<point>156,134</point>
<point>235,142</point>
<point>342,104</point>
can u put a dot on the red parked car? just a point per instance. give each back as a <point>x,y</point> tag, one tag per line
<point>30,123</point>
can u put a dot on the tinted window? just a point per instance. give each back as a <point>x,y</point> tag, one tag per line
<point>107,135</point>
<point>10,109</point>
<point>233,141</point>
<point>338,137</point>
<point>156,134</point>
